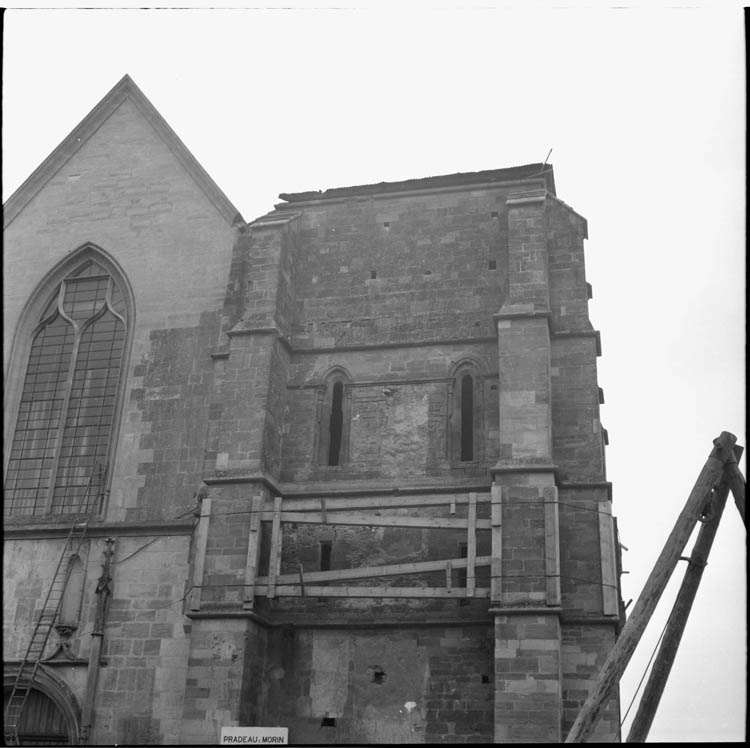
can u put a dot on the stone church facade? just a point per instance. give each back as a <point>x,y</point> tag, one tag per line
<point>343,463</point>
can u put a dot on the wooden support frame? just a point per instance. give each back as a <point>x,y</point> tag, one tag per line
<point>253,553</point>
<point>274,558</point>
<point>332,511</point>
<point>471,546</point>
<point>376,520</point>
<point>610,605</point>
<point>367,572</point>
<point>311,591</point>
<point>199,560</point>
<point>496,566</point>
<point>620,654</point>
<point>371,502</point>
<point>552,545</point>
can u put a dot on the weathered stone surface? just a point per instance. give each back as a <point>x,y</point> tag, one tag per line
<point>237,331</point>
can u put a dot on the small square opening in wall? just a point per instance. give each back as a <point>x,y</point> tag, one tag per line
<point>492,264</point>
<point>485,678</point>
<point>386,224</point>
<point>373,274</point>
<point>328,722</point>
<point>494,214</point>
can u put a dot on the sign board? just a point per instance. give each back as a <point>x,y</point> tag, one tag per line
<point>254,736</point>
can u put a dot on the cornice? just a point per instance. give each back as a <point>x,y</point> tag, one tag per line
<point>99,530</point>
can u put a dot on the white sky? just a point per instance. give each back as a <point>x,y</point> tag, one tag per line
<point>643,106</point>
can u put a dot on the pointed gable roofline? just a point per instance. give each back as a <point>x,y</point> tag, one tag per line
<point>124,89</point>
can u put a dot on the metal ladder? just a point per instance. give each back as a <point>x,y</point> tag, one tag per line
<point>50,610</point>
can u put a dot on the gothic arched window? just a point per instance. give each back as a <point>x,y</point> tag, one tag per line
<point>333,433</point>
<point>60,448</point>
<point>466,414</point>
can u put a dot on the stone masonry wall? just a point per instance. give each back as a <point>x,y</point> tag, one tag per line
<point>125,191</point>
<point>437,260</point>
<point>427,685</point>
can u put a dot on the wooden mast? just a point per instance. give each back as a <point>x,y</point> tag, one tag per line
<point>620,654</point>
<point>678,617</point>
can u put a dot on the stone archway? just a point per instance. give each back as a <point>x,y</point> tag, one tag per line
<point>50,715</point>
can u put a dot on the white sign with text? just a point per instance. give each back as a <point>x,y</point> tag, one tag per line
<point>254,736</point>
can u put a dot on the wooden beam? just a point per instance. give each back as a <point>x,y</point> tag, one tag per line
<point>295,591</point>
<point>620,654</point>
<point>199,560</point>
<point>737,485</point>
<point>301,577</point>
<point>253,553</point>
<point>610,605</point>
<point>471,546</point>
<point>678,617</point>
<point>375,520</point>
<point>275,554</point>
<point>496,567</point>
<point>367,572</point>
<point>375,502</point>
<point>552,545</point>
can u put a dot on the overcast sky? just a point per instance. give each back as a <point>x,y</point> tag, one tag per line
<point>644,110</point>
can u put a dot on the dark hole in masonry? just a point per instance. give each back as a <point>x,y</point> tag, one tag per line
<point>493,264</point>
<point>328,722</point>
<point>494,214</point>
<point>485,678</point>
<point>377,674</point>
<point>373,274</point>
<point>325,554</point>
<point>387,224</point>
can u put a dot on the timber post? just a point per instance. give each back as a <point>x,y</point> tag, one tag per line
<point>678,617</point>
<point>620,654</point>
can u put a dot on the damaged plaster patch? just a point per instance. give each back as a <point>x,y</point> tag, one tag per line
<point>222,649</point>
<point>329,686</point>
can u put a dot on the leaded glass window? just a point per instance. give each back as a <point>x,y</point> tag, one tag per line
<point>59,454</point>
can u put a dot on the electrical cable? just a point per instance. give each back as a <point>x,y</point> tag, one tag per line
<point>645,671</point>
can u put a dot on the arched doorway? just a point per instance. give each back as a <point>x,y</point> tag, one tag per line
<point>43,722</point>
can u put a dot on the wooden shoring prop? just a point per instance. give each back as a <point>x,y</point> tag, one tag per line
<point>736,482</point>
<point>551,545</point>
<point>620,654</point>
<point>253,553</point>
<point>416,592</point>
<point>377,502</point>
<point>678,618</point>
<point>199,560</point>
<point>610,604</point>
<point>274,556</point>
<point>301,577</point>
<point>368,572</point>
<point>471,546</point>
<point>496,567</point>
<point>375,520</point>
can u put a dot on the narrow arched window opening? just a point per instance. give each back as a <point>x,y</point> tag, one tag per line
<point>336,424</point>
<point>467,418</point>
